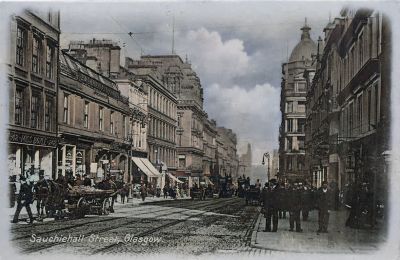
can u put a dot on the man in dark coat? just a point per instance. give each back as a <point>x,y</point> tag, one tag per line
<point>270,199</point>
<point>324,204</point>
<point>25,198</point>
<point>295,204</point>
<point>86,181</point>
<point>307,201</point>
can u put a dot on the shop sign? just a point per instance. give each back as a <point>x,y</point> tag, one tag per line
<point>79,158</point>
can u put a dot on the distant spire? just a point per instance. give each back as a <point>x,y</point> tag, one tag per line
<point>306,30</point>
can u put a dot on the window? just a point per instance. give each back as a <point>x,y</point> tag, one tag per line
<point>300,141</point>
<point>351,120</point>
<point>369,106</point>
<point>66,107</point>
<point>112,122</point>
<point>289,107</point>
<point>289,144</point>
<point>301,87</point>
<point>124,127</point>
<point>86,115</point>
<point>35,110</point>
<point>289,125</point>
<point>182,161</point>
<point>49,61</point>
<point>101,117</point>
<point>301,122</point>
<point>48,110</point>
<point>20,52</point>
<point>301,107</point>
<point>36,54</point>
<point>19,103</point>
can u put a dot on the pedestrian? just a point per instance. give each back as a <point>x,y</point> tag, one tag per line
<point>283,200</point>
<point>352,201</point>
<point>295,204</point>
<point>78,180</point>
<point>324,204</point>
<point>86,181</point>
<point>12,190</point>
<point>25,198</point>
<point>143,191</point>
<point>258,184</point>
<point>271,205</point>
<point>307,201</point>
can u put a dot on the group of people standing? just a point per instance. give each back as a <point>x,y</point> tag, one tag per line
<point>298,199</point>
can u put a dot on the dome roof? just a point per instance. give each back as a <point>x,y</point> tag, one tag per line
<point>305,48</point>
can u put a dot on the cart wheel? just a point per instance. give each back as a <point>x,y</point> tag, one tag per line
<point>81,208</point>
<point>106,206</point>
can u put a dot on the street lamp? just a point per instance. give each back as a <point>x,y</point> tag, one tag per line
<point>266,155</point>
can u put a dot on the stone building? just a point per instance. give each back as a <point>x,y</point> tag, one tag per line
<point>104,57</point>
<point>353,71</point>
<point>162,111</point>
<point>245,162</point>
<point>227,158</point>
<point>32,75</point>
<point>93,122</point>
<point>180,79</point>
<point>293,109</point>
<point>275,164</point>
<point>209,148</point>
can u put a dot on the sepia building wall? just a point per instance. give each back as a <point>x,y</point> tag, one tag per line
<point>292,163</point>
<point>93,122</point>
<point>349,101</point>
<point>209,147</point>
<point>33,87</point>
<point>162,114</point>
<point>228,160</point>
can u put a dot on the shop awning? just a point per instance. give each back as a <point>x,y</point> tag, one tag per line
<point>174,178</point>
<point>151,167</point>
<point>143,167</point>
<point>208,181</point>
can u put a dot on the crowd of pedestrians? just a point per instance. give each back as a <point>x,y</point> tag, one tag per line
<point>298,199</point>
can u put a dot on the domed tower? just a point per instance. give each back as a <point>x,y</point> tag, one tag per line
<point>306,48</point>
<point>293,107</point>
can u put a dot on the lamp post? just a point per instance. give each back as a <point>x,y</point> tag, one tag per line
<point>266,155</point>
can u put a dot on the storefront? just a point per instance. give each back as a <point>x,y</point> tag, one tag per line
<point>30,153</point>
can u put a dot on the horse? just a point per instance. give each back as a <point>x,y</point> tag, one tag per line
<point>50,197</point>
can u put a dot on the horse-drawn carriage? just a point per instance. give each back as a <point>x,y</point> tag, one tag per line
<point>59,201</point>
<point>252,195</point>
<point>198,193</point>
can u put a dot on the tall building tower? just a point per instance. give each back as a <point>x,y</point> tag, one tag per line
<point>293,108</point>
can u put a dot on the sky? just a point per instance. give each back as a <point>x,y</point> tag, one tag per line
<point>236,48</point>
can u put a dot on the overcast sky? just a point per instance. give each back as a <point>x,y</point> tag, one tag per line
<point>236,49</point>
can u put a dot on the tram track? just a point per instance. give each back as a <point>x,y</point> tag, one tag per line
<point>205,206</point>
<point>161,227</point>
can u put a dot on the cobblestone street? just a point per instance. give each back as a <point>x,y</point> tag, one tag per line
<point>185,226</point>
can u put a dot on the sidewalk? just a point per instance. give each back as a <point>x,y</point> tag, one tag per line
<point>340,239</point>
<point>132,202</point>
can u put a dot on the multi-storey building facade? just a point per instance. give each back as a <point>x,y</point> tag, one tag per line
<point>162,115</point>
<point>32,76</point>
<point>182,81</point>
<point>274,164</point>
<point>101,55</point>
<point>93,122</point>
<point>209,147</point>
<point>354,74</point>
<point>293,109</point>
<point>104,57</point>
<point>245,162</point>
<point>227,158</point>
